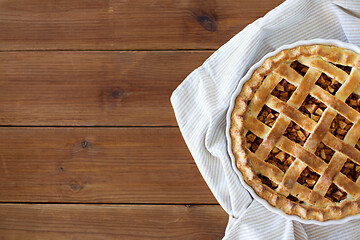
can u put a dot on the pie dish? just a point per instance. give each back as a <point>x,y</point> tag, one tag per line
<point>294,129</point>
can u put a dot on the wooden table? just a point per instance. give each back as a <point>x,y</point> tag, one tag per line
<point>89,145</point>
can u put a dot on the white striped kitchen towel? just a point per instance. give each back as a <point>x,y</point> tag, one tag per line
<point>200,103</point>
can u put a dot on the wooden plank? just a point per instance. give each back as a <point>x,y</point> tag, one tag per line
<point>58,221</point>
<point>124,24</point>
<point>92,88</point>
<point>98,165</point>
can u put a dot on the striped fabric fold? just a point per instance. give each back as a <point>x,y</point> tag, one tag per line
<point>200,103</point>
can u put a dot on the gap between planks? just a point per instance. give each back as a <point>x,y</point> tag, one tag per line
<point>110,50</point>
<point>85,126</point>
<point>114,203</point>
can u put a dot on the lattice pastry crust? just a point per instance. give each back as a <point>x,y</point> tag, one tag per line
<point>295,128</point>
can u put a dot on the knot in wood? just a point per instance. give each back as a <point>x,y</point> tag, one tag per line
<point>207,22</point>
<point>84,144</point>
<point>118,93</point>
<point>75,186</point>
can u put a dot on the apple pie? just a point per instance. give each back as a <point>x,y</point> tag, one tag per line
<point>295,131</point>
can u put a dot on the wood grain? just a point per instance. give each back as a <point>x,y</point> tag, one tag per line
<point>92,88</point>
<point>58,221</point>
<point>124,24</point>
<point>98,165</point>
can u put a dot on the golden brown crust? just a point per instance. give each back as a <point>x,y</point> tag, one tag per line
<point>312,203</point>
